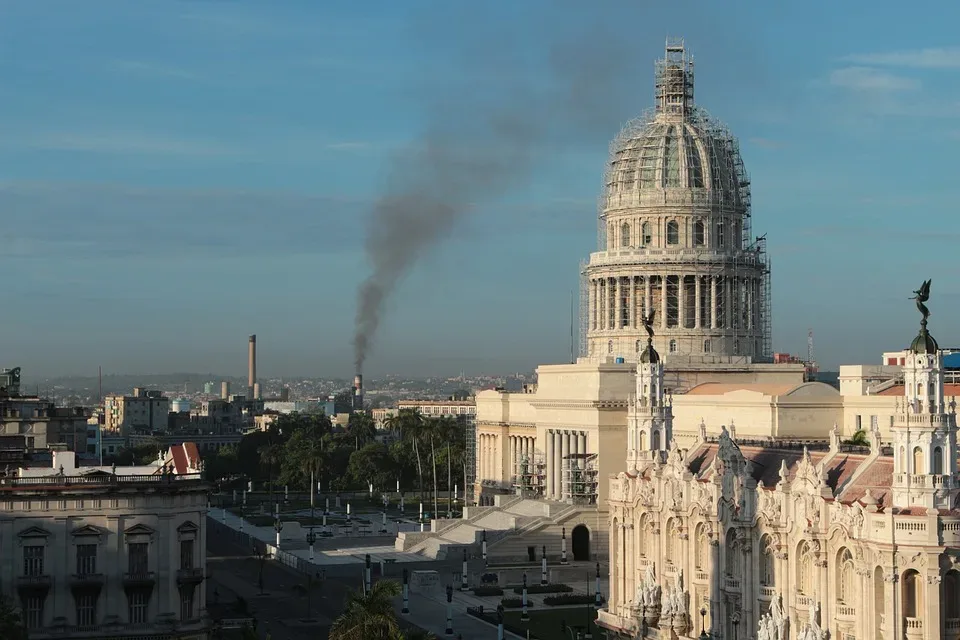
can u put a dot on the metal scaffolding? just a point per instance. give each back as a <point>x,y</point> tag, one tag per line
<point>470,433</point>
<point>581,478</point>
<point>530,475</point>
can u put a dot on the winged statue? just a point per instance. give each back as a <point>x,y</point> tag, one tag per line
<point>922,295</point>
<point>648,322</point>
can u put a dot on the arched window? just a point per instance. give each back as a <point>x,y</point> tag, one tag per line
<point>701,552</point>
<point>912,595</point>
<point>673,232</point>
<point>669,543</point>
<point>938,460</point>
<point>625,235</point>
<point>767,575</point>
<point>917,460</point>
<point>643,440</point>
<point>610,346</point>
<point>673,346</point>
<point>732,549</point>
<point>643,536</point>
<point>698,233</point>
<point>706,346</point>
<point>846,582</point>
<point>805,576</point>
<point>903,460</point>
<point>656,440</point>
<point>645,236</point>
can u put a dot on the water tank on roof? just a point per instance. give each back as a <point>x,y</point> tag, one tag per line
<point>619,360</point>
<point>180,405</point>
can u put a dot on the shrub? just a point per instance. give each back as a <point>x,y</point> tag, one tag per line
<point>487,591</point>
<point>546,588</point>
<point>515,603</point>
<point>570,598</point>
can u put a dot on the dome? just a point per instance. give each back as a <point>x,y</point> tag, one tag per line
<point>649,355</point>
<point>689,153</point>
<point>924,342</point>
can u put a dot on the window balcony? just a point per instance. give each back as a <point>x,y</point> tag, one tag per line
<point>190,576</point>
<point>87,580</point>
<point>139,579</point>
<point>845,611</point>
<point>40,581</point>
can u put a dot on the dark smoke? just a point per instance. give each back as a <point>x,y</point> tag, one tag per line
<point>483,139</point>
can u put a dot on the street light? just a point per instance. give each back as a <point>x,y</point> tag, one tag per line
<point>703,624</point>
<point>735,619</point>
<point>311,536</point>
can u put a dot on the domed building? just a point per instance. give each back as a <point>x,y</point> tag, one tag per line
<point>675,243</point>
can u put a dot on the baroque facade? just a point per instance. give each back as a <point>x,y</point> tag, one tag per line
<point>775,541</point>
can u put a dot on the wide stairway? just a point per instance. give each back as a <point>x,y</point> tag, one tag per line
<point>509,518</point>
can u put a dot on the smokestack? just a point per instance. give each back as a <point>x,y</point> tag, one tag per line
<point>224,390</point>
<point>252,367</point>
<point>358,392</point>
<point>256,391</point>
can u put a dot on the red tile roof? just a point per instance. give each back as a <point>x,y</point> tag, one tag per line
<point>186,458</point>
<point>897,390</point>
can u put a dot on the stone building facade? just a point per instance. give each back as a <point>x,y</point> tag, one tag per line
<point>772,541</point>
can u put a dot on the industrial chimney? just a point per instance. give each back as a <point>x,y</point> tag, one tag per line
<point>252,366</point>
<point>358,392</point>
<point>256,391</point>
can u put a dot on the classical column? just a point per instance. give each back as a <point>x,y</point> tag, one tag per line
<point>696,305</point>
<point>632,303</point>
<point>713,302</point>
<point>682,301</point>
<point>750,304</point>
<point>592,311</point>
<point>558,465</point>
<point>548,458</point>
<point>618,305</point>
<point>565,463</point>
<point>583,442</point>
<point>513,456</point>
<point>646,294</point>
<point>663,301</point>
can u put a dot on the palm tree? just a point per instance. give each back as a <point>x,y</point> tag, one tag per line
<point>452,431</point>
<point>859,438</point>
<point>369,616</point>
<point>413,424</point>
<point>433,429</point>
<point>270,455</point>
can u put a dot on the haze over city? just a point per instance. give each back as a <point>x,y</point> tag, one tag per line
<point>179,175</point>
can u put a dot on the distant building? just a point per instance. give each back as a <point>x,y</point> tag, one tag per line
<point>121,556</point>
<point>464,410</point>
<point>40,422</point>
<point>294,406</point>
<point>144,410</point>
<point>208,387</point>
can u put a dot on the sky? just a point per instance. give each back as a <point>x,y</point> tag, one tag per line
<point>176,175</point>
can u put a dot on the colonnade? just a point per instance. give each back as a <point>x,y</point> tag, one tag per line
<point>691,301</point>
<point>521,448</point>
<point>560,444</point>
<point>488,447</point>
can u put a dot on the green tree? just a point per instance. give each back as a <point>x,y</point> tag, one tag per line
<point>369,616</point>
<point>270,456</point>
<point>12,626</point>
<point>223,463</point>
<point>373,463</point>
<point>859,438</point>
<point>361,428</point>
<point>410,424</point>
<point>304,455</point>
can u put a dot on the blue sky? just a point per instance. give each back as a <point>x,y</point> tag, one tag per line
<point>179,174</point>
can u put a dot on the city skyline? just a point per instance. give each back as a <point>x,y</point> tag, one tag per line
<point>178,179</point>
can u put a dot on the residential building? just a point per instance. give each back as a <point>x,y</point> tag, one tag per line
<point>144,410</point>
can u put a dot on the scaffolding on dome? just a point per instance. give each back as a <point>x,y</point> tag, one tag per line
<point>530,475</point>
<point>583,317</point>
<point>581,478</point>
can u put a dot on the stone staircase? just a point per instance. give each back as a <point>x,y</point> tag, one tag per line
<point>512,525</point>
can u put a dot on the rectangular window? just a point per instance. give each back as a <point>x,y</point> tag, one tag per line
<point>859,422</point>
<point>86,559</point>
<point>33,560</point>
<point>86,609</point>
<point>137,558</point>
<point>186,554</point>
<point>138,601</point>
<point>874,422</point>
<point>33,611</point>
<point>186,604</point>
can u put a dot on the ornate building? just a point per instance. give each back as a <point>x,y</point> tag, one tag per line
<point>675,237</point>
<point>771,541</point>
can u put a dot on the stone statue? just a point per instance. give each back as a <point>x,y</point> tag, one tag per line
<point>812,630</point>
<point>772,625</point>
<point>675,602</point>
<point>922,295</point>
<point>647,321</point>
<point>648,591</point>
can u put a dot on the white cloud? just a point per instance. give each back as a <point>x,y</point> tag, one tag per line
<point>867,79</point>
<point>119,142</point>
<point>934,58</point>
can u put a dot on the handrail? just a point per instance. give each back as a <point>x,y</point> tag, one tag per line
<point>99,479</point>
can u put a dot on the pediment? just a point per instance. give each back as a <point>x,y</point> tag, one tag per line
<point>33,532</point>
<point>188,527</point>
<point>138,530</point>
<point>87,530</point>
<point>96,473</point>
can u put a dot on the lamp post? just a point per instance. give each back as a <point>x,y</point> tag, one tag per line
<point>311,538</point>
<point>703,624</point>
<point>524,616</point>
<point>278,527</point>
<point>543,567</point>
<point>735,620</point>
<point>463,577</point>
<point>563,546</point>
<point>449,629</point>
<point>598,601</point>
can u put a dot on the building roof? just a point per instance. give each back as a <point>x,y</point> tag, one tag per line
<point>767,389</point>
<point>186,458</point>
<point>949,389</point>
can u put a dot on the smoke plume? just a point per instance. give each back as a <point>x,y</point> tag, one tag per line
<point>517,104</point>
